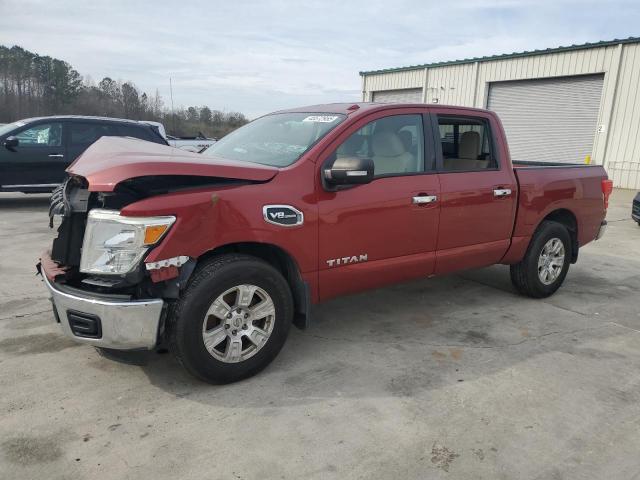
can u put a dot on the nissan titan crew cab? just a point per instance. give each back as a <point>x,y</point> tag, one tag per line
<point>216,255</point>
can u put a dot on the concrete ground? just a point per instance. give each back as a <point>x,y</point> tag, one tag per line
<point>455,377</point>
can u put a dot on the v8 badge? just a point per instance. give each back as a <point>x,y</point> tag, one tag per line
<point>283,215</point>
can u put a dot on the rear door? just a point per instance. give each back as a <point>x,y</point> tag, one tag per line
<point>477,191</point>
<point>385,231</point>
<point>39,160</point>
<point>82,134</point>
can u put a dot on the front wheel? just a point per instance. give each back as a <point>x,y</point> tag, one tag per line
<point>546,263</point>
<point>232,320</point>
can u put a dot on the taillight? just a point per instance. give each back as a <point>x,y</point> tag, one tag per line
<point>607,188</point>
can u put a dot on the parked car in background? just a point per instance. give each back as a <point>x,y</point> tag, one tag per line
<point>197,144</point>
<point>35,152</point>
<point>635,209</point>
<point>217,254</point>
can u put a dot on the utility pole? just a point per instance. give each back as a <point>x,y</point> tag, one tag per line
<point>173,112</point>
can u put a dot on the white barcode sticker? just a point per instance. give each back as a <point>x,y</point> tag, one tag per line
<point>321,118</point>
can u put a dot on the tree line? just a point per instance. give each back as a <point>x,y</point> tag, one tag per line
<point>32,85</point>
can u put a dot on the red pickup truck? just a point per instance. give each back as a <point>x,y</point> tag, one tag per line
<point>216,255</point>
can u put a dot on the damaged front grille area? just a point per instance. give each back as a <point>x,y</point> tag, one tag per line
<point>69,203</point>
<point>68,214</point>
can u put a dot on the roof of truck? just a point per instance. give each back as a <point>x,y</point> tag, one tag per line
<point>348,108</point>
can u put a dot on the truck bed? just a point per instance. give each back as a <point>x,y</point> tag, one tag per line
<point>546,187</point>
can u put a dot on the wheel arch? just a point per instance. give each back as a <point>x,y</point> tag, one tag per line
<point>282,261</point>
<point>567,218</point>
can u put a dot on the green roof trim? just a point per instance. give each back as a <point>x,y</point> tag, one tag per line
<point>583,46</point>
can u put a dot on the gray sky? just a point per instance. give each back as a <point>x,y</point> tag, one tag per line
<point>259,56</point>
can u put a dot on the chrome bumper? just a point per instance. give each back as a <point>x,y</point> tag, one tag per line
<point>128,325</point>
<point>603,229</point>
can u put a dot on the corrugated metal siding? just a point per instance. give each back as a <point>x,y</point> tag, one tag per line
<point>581,62</point>
<point>452,85</point>
<point>408,95</point>
<point>394,80</point>
<point>549,120</point>
<point>468,85</point>
<point>623,149</point>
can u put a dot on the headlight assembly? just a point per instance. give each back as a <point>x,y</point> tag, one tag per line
<point>115,245</point>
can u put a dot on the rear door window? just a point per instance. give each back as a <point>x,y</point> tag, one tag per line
<point>84,134</point>
<point>136,132</point>
<point>466,144</point>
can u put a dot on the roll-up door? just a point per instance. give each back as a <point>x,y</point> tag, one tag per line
<point>407,95</point>
<point>549,120</point>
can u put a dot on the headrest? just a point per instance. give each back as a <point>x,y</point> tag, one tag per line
<point>407,139</point>
<point>469,145</point>
<point>387,144</point>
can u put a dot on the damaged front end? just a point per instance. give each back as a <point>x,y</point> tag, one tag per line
<point>98,297</point>
<point>127,221</point>
<point>73,209</point>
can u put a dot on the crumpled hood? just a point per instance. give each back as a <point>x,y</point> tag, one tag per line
<point>112,160</point>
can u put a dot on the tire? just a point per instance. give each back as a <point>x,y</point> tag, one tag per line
<point>221,281</point>
<point>527,277</point>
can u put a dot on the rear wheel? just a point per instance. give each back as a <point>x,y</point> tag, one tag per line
<point>546,262</point>
<point>232,320</point>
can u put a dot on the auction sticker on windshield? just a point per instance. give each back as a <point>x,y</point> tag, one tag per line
<point>321,118</point>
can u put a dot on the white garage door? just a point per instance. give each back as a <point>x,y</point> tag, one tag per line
<point>408,95</point>
<point>549,120</point>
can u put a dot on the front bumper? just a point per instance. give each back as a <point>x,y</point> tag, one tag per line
<point>121,325</point>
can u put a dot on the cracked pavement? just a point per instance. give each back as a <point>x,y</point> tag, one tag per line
<point>452,377</point>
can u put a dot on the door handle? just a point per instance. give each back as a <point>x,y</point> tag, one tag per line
<point>422,199</point>
<point>502,192</point>
<point>56,155</point>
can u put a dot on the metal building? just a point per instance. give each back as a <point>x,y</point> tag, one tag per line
<point>560,104</point>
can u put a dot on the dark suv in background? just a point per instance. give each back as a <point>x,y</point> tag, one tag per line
<point>35,152</point>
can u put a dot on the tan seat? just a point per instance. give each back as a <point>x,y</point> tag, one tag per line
<point>468,152</point>
<point>390,154</point>
<point>351,146</point>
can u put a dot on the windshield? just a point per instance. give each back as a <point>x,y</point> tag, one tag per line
<point>9,126</point>
<point>277,140</point>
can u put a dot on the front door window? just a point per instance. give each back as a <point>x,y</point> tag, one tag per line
<point>43,135</point>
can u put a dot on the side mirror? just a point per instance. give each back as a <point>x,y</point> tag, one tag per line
<point>11,142</point>
<point>350,171</point>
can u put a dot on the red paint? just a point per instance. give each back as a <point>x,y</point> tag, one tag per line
<point>164,273</point>
<point>51,269</point>
<point>468,227</point>
<point>112,160</point>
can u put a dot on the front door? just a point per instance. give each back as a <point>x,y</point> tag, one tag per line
<point>38,160</point>
<point>385,231</point>
<point>478,192</point>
